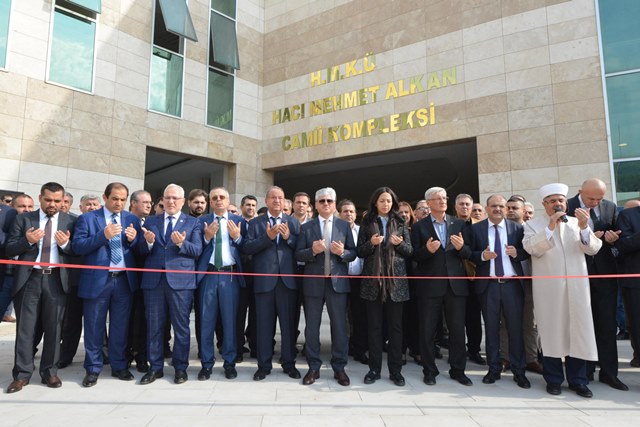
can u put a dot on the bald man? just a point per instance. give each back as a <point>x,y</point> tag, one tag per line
<point>603,216</point>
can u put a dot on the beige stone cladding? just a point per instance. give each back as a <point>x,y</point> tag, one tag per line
<point>528,83</point>
<point>86,140</point>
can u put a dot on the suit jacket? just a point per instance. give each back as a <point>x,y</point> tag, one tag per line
<point>203,261</point>
<point>446,261</point>
<point>18,245</point>
<point>90,242</point>
<point>166,255</point>
<point>7,216</point>
<point>629,245</point>
<point>515,233</point>
<point>604,261</point>
<point>314,264</point>
<point>271,257</point>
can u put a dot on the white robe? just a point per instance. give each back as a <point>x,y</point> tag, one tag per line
<point>562,306</point>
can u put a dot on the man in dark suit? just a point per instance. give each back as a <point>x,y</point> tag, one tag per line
<point>629,247</point>
<point>440,243</point>
<point>219,293</point>
<point>271,240</point>
<point>72,324</point>
<point>7,215</point>
<point>107,237</point>
<point>39,292</point>
<point>326,247</point>
<point>604,291</point>
<point>497,252</point>
<point>172,241</point>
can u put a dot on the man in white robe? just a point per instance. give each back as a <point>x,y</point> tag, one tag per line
<point>562,304</point>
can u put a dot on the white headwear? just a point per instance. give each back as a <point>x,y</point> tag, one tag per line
<point>551,189</point>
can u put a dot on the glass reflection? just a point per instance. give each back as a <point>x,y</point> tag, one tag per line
<point>166,82</point>
<point>220,100</point>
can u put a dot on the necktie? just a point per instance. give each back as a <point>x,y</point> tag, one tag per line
<point>273,224</point>
<point>326,236</point>
<point>497,248</point>
<point>115,244</point>
<point>594,217</point>
<point>45,255</point>
<point>167,234</point>
<point>217,257</point>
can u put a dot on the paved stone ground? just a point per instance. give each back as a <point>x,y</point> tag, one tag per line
<point>280,401</point>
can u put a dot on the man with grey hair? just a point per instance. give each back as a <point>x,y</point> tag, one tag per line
<point>326,247</point>
<point>440,243</point>
<point>89,202</point>
<point>528,211</point>
<point>67,202</point>
<point>140,204</point>
<point>421,210</point>
<point>172,241</point>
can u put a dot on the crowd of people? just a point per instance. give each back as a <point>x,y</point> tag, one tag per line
<point>408,280</point>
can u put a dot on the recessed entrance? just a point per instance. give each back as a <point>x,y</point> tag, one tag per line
<point>452,165</point>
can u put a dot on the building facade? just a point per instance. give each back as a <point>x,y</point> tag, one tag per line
<point>478,96</point>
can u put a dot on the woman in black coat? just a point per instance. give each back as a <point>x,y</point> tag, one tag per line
<point>385,245</point>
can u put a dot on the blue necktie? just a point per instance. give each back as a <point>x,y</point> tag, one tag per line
<point>167,234</point>
<point>274,221</point>
<point>115,244</point>
<point>497,248</point>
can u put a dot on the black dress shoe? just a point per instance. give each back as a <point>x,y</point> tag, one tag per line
<point>614,383</point>
<point>310,377</point>
<point>63,364</point>
<point>239,358</point>
<point>437,353</point>
<point>16,386</point>
<point>362,358</point>
<point>554,389</point>
<point>150,377</point>
<point>123,375</point>
<point>590,376</point>
<point>581,390</point>
<point>142,366</point>
<point>635,362</point>
<point>371,377</point>
<point>462,379</point>
<point>476,358</point>
<point>397,379</point>
<point>622,336</point>
<point>521,380</point>
<point>204,374</point>
<point>342,378</point>
<point>180,376</point>
<point>292,372</point>
<point>230,372</point>
<point>491,377</point>
<point>90,379</point>
<point>260,374</point>
<point>429,379</point>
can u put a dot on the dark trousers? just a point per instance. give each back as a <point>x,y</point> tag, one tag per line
<point>71,326</point>
<point>631,298</point>
<point>158,302</point>
<point>337,309</point>
<point>281,302</point>
<point>116,299</point>
<point>138,329</point>
<point>604,301</point>
<point>218,298</point>
<point>376,312</point>
<point>508,299</point>
<point>554,374</point>
<point>358,317</point>
<point>41,299</point>
<point>473,322</point>
<point>246,317</point>
<point>429,314</point>
<point>411,335</point>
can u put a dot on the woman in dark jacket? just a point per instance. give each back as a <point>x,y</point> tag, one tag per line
<point>384,243</point>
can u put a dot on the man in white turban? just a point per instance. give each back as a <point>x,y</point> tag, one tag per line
<point>562,305</point>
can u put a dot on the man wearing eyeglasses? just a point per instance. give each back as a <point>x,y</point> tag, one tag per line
<point>219,292</point>
<point>326,247</point>
<point>271,240</point>
<point>172,241</point>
